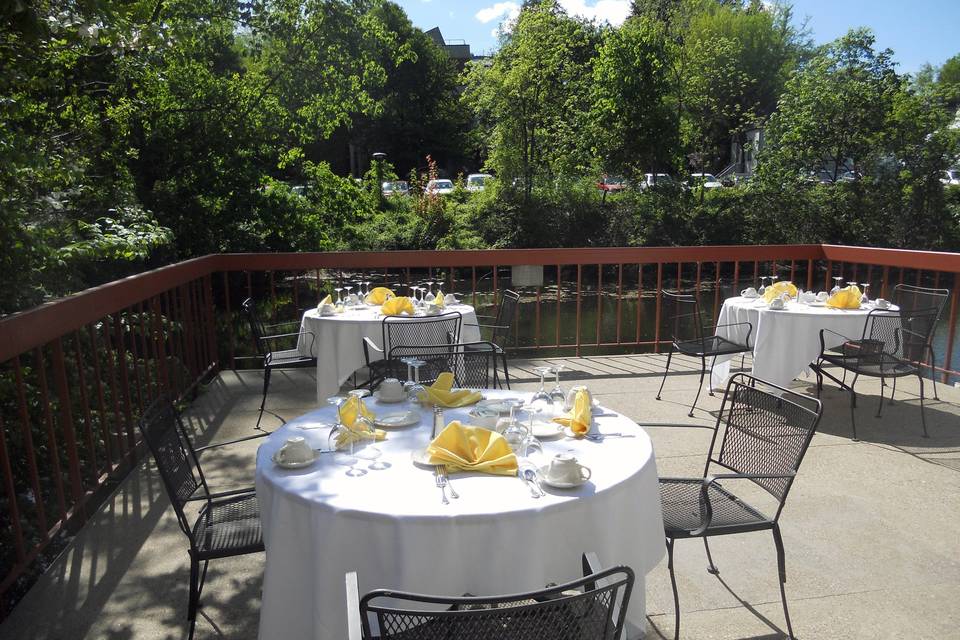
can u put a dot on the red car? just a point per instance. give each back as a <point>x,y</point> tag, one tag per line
<point>612,184</point>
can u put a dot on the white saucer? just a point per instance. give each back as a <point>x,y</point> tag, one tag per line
<point>421,458</point>
<point>500,405</point>
<point>750,297</point>
<point>293,465</point>
<point>542,472</point>
<point>547,430</point>
<point>379,398</point>
<point>404,419</point>
<point>816,303</point>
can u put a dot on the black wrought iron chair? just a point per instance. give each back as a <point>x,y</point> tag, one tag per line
<point>909,298</point>
<point>693,335</point>
<point>441,329</point>
<point>761,434</point>
<point>502,327</point>
<point>473,364</point>
<point>228,523</point>
<point>591,608</point>
<point>266,347</point>
<point>893,345</point>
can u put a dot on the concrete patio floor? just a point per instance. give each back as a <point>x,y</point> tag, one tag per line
<point>871,528</point>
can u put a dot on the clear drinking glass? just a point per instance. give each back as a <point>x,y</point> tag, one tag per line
<point>541,399</point>
<point>340,457</point>
<point>349,289</point>
<point>370,451</point>
<point>430,284</point>
<point>864,299</point>
<point>763,285</point>
<point>557,395</point>
<point>416,387</point>
<point>339,298</point>
<point>837,281</point>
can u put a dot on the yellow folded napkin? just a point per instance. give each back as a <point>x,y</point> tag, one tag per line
<point>468,448</point>
<point>846,298</point>
<point>777,289</point>
<point>438,300</point>
<point>379,295</point>
<point>439,393</point>
<point>355,431</point>
<point>580,417</point>
<point>326,300</point>
<point>396,306</point>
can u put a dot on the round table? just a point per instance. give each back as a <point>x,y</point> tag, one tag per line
<point>391,527</point>
<point>339,338</point>
<point>785,341</point>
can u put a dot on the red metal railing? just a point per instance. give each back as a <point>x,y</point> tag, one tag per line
<point>75,374</point>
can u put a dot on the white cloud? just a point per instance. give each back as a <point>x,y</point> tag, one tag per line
<point>508,10</point>
<point>612,11</point>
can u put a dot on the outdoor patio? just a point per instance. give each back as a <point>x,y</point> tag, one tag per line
<point>870,527</point>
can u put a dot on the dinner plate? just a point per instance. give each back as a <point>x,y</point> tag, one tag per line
<point>500,405</point>
<point>292,465</point>
<point>542,472</point>
<point>402,419</point>
<point>381,399</point>
<point>547,430</point>
<point>816,304</point>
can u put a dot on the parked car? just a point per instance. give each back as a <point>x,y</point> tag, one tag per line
<point>951,177</point>
<point>657,179</point>
<point>475,181</point>
<point>395,188</point>
<point>440,187</point>
<point>299,190</point>
<point>705,180</point>
<point>612,184</point>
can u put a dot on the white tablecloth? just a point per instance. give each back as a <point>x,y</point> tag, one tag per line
<point>339,342</point>
<point>784,342</point>
<point>391,527</point>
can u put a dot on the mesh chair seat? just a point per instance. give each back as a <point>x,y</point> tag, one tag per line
<point>228,526</point>
<point>288,359</point>
<point>683,509</point>
<point>710,345</point>
<point>878,366</point>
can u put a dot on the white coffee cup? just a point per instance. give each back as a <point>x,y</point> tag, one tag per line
<point>808,297</point>
<point>328,309</point>
<point>485,418</point>
<point>391,389</point>
<point>881,303</point>
<point>565,468</point>
<point>295,450</point>
<point>749,292</point>
<point>776,303</point>
<point>572,397</point>
<point>822,296</point>
<point>434,309</point>
<point>450,299</point>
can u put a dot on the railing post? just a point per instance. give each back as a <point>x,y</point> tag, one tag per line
<point>579,278</point>
<point>66,425</point>
<point>211,324</point>
<point>954,308</point>
<point>656,328</point>
<point>11,496</point>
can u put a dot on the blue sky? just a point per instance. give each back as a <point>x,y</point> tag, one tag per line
<point>918,31</point>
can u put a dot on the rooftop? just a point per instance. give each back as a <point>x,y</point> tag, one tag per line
<point>870,528</point>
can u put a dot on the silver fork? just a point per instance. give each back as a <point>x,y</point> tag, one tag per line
<point>446,479</point>
<point>442,483</point>
<point>598,437</point>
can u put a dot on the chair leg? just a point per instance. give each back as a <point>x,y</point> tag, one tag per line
<point>880,406</point>
<point>506,371</point>
<point>666,369</point>
<point>194,592</point>
<point>263,401</point>
<point>703,371</point>
<point>711,568</point>
<point>782,569</point>
<point>893,391</point>
<point>923,416</point>
<point>676,596</point>
<point>710,386</point>
<point>853,413</point>
<point>933,372</point>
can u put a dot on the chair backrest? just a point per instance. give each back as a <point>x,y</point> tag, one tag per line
<point>470,363</point>
<point>428,330</point>
<point>506,314</point>
<point>681,317</point>
<point>903,334</point>
<point>909,297</point>
<point>763,429</point>
<point>257,328</point>
<point>589,608</point>
<point>176,460</point>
